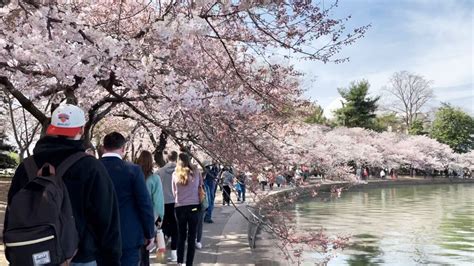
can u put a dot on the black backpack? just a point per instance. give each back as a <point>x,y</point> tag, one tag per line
<point>40,228</point>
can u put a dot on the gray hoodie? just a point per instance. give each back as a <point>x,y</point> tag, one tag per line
<point>166,174</point>
<point>227,178</point>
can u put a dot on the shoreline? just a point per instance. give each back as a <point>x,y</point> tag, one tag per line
<point>266,252</point>
<point>326,187</point>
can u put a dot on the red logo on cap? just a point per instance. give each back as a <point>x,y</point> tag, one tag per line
<point>63,117</point>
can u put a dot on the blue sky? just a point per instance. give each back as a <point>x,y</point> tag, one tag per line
<point>432,38</point>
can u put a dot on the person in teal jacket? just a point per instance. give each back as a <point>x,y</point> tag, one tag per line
<point>153,183</point>
<point>155,188</point>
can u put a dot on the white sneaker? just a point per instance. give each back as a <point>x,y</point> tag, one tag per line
<point>174,256</point>
<point>198,245</point>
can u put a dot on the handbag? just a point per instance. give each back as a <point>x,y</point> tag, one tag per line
<point>203,198</point>
<point>202,193</point>
<point>161,246</point>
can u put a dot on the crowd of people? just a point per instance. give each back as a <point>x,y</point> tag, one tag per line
<point>118,206</point>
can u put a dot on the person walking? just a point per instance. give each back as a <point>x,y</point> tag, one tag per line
<point>154,186</point>
<point>186,182</point>
<point>227,182</point>
<point>280,180</point>
<point>211,172</point>
<point>91,192</point>
<point>202,213</point>
<point>366,173</point>
<point>382,174</point>
<point>136,212</point>
<point>359,173</point>
<point>271,179</point>
<point>200,228</point>
<point>262,179</point>
<point>170,226</point>
<point>299,176</point>
<point>241,181</point>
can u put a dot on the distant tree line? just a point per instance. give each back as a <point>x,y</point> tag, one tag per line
<point>406,97</point>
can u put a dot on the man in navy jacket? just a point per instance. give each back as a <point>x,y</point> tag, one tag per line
<point>135,207</point>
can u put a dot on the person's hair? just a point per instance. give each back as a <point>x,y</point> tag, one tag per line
<point>145,161</point>
<point>183,168</point>
<point>172,156</point>
<point>114,141</point>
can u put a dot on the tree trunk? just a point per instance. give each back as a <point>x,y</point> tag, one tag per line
<point>158,154</point>
<point>21,154</point>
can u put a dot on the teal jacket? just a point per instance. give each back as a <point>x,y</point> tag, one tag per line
<point>153,183</point>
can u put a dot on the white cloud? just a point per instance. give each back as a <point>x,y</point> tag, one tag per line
<point>332,106</point>
<point>430,38</point>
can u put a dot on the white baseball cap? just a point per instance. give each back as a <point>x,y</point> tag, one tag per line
<point>67,120</point>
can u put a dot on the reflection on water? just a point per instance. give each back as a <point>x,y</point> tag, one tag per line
<point>431,225</point>
<point>366,250</point>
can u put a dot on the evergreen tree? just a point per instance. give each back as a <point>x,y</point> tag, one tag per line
<point>358,110</point>
<point>316,116</point>
<point>6,161</point>
<point>417,128</point>
<point>454,127</point>
<point>385,121</point>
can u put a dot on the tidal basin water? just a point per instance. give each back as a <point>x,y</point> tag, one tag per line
<point>404,225</point>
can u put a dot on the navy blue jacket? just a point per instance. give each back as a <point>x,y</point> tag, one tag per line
<point>137,220</point>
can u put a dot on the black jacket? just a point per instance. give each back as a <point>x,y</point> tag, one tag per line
<point>92,196</point>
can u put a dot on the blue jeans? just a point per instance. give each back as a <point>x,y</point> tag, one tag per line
<point>210,189</point>
<point>241,192</point>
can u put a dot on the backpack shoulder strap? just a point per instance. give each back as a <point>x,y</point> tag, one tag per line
<point>30,167</point>
<point>68,162</point>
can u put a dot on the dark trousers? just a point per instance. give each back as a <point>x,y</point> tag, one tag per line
<point>144,256</point>
<point>169,226</point>
<point>226,194</point>
<point>187,217</point>
<point>199,225</point>
<point>130,256</point>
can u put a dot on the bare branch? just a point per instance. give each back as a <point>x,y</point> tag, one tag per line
<point>25,102</point>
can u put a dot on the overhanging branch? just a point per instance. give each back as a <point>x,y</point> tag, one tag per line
<point>25,102</point>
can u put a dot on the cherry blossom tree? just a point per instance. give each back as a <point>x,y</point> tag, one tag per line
<point>175,65</point>
<point>198,73</point>
<point>335,149</point>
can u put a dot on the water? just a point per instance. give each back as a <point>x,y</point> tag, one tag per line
<point>407,225</point>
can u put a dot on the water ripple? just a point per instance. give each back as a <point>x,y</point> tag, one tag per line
<point>431,224</point>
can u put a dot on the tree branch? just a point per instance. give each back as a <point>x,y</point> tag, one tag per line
<point>25,102</point>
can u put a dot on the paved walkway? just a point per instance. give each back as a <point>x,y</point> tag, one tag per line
<point>224,242</point>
